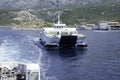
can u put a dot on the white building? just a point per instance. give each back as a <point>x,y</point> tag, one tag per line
<point>103,25</point>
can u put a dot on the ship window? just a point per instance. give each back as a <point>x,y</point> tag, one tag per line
<point>58,26</point>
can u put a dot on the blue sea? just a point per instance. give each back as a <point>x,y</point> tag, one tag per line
<point>100,61</point>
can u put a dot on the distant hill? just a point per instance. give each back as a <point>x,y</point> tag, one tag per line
<point>45,4</point>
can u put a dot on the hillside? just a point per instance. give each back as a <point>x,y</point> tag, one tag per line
<point>89,14</point>
<point>70,16</point>
<point>22,20</point>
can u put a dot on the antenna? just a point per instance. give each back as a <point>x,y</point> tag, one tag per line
<point>58,17</point>
<point>59,14</point>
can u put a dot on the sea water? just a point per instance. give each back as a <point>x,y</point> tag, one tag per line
<point>100,61</point>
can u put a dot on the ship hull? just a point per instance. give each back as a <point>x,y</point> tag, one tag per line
<point>63,41</point>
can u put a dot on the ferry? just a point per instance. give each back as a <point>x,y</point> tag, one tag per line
<point>61,36</point>
<point>19,71</point>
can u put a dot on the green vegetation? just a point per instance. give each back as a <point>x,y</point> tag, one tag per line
<point>32,25</point>
<point>88,14</point>
<point>92,14</point>
<point>6,18</point>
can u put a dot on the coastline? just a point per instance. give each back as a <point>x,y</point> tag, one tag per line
<point>19,28</point>
<point>6,26</point>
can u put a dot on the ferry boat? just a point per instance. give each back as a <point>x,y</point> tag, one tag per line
<point>61,36</point>
<point>19,71</point>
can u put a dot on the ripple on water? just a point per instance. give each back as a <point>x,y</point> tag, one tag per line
<point>16,47</point>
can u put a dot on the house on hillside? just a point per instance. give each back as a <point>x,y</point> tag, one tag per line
<point>86,26</point>
<point>103,25</point>
<point>108,25</point>
<point>114,25</point>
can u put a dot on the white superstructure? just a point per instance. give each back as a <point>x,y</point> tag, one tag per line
<point>19,71</point>
<point>59,36</point>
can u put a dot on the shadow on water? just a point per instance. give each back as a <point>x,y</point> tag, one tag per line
<point>71,52</point>
<point>67,52</point>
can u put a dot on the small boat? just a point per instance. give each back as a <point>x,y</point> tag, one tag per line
<point>61,36</point>
<point>19,71</point>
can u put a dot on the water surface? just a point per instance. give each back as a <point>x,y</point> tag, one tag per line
<point>101,61</point>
